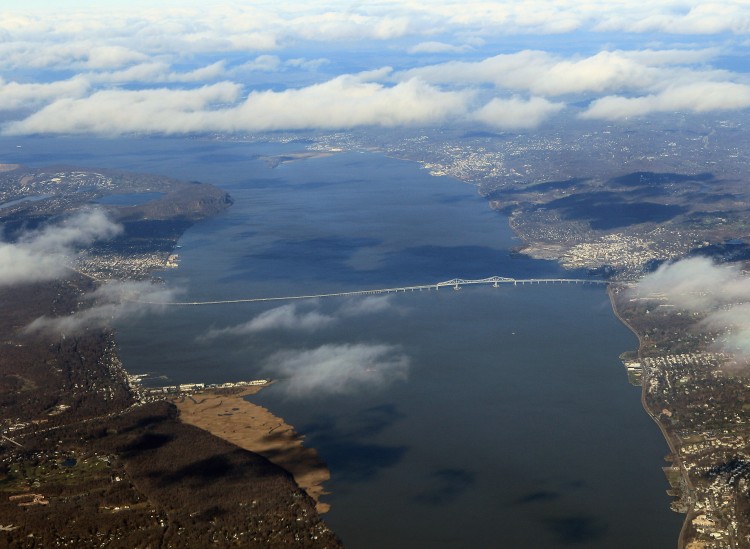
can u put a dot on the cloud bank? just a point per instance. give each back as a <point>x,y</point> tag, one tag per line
<point>229,67</point>
<point>46,254</point>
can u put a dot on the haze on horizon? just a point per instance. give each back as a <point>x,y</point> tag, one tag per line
<point>112,68</point>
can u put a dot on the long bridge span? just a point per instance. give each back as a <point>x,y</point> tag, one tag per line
<point>455,284</point>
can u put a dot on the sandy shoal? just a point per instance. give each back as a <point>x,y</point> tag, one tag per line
<point>253,428</point>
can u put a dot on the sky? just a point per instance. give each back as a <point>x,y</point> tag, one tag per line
<point>166,67</point>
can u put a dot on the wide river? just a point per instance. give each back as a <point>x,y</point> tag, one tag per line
<point>476,418</point>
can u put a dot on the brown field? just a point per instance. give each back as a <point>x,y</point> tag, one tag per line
<point>253,428</point>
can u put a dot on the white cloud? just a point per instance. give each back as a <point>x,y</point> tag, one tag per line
<point>699,18</point>
<point>292,317</point>
<point>516,113</point>
<point>367,306</point>
<point>437,47</point>
<point>158,72</point>
<point>346,102</point>
<point>697,97</point>
<point>307,64</point>
<point>15,95</point>
<point>343,102</point>
<point>45,254</point>
<point>191,44</point>
<point>337,369</point>
<point>545,74</point>
<point>286,317</point>
<point>720,292</point>
<point>112,301</point>
<point>106,57</point>
<point>122,111</point>
<point>697,283</point>
<point>266,63</point>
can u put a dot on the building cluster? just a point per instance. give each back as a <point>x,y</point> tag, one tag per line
<point>626,253</point>
<point>184,389</point>
<point>121,266</point>
<point>40,184</point>
<point>706,409</point>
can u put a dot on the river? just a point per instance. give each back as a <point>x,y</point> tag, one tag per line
<point>485,417</point>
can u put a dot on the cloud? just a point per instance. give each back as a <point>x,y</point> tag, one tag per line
<point>517,113</point>
<point>15,95</point>
<point>543,73</point>
<point>45,254</point>
<point>286,317</point>
<point>697,283</point>
<point>702,18</point>
<point>114,112</point>
<point>63,63</point>
<point>344,102</point>
<point>266,63</point>
<point>290,317</point>
<point>733,325</point>
<point>437,47</point>
<point>307,64</point>
<point>367,306</point>
<point>106,57</point>
<point>337,369</point>
<point>112,301</point>
<point>158,72</point>
<point>697,97</point>
<point>41,53</point>
<point>720,292</point>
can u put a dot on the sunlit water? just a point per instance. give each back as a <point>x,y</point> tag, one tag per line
<point>515,427</point>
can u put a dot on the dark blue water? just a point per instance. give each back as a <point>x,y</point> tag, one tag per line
<point>515,426</point>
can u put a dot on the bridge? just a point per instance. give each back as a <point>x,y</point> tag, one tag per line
<point>455,284</point>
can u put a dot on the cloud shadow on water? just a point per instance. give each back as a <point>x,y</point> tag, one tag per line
<point>447,485</point>
<point>344,442</point>
<point>537,497</point>
<point>576,529</point>
<point>319,258</point>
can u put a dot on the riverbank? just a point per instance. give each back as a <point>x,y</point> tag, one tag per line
<point>229,416</point>
<point>671,442</point>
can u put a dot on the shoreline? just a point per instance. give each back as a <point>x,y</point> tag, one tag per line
<point>667,437</point>
<point>229,416</point>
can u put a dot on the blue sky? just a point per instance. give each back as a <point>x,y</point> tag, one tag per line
<point>182,67</point>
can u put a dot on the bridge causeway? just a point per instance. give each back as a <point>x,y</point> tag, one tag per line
<point>455,283</point>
